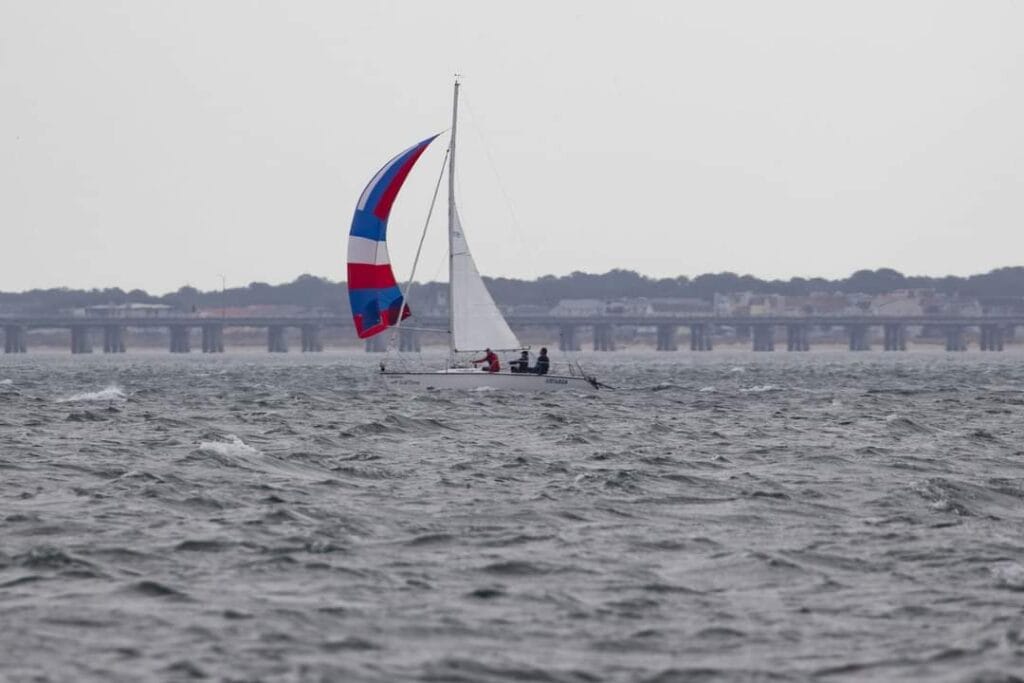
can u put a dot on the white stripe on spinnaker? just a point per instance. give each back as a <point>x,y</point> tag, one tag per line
<point>364,250</point>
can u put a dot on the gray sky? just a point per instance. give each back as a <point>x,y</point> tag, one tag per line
<point>153,144</point>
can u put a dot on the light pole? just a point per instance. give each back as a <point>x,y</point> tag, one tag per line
<point>223,297</point>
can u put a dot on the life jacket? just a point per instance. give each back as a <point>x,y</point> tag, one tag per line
<point>492,362</point>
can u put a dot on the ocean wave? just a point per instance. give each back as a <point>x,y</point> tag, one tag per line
<point>109,393</point>
<point>759,389</point>
<point>232,447</point>
<point>905,424</point>
<point>1009,575</point>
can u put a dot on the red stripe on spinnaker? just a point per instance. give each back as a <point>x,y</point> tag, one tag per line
<point>380,326</point>
<point>383,208</point>
<point>364,332</point>
<point>393,314</point>
<point>369,276</point>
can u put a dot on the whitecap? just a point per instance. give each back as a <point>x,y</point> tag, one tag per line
<point>1009,576</point>
<point>709,388</point>
<point>759,389</point>
<point>110,393</point>
<point>737,368</point>
<point>234,446</point>
<point>6,381</point>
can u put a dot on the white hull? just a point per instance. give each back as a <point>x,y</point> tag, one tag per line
<point>468,381</point>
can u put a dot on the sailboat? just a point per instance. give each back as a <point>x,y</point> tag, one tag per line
<point>474,321</point>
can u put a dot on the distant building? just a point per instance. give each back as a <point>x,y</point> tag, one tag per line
<point>580,308</point>
<point>583,308</point>
<point>823,303</point>
<point>256,310</point>
<point>1002,305</point>
<point>899,302</point>
<point>767,304</point>
<point>944,304</point>
<point>535,310</point>
<point>733,303</point>
<point>680,306</point>
<point>637,306</point>
<point>131,310</point>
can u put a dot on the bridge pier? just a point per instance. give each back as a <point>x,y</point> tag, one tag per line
<point>378,343</point>
<point>895,337</point>
<point>859,338</point>
<point>604,337</point>
<point>991,338</point>
<point>408,340</point>
<point>113,339</point>
<point>80,341</point>
<point>14,339</point>
<point>213,338</point>
<point>276,340</point>
<point>666,337</point>
<point>181,341</point>
<point>700,337</point>
<point>796,338</point>
<point>764,337</point>
<point>955,339</point>
<point>311,339</point>
<point>568,338</point>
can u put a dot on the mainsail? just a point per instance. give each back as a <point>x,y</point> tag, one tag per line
<point>373,293</point>
<point>476,321</point>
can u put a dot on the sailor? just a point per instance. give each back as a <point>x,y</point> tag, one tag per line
<point>491,358</point>
<point>521,364</point>
<point>543,363</point>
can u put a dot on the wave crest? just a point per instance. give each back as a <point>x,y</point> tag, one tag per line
<point>110,393</point>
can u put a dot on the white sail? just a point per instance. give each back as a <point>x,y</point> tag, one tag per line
<point>476,321</point>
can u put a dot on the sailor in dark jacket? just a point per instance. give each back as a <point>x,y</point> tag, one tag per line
<point>521,364</point>
<point>543,363</point>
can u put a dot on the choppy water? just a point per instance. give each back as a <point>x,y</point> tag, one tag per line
<point>723,516</point>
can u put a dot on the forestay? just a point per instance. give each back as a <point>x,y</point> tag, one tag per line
<point>476,321</point>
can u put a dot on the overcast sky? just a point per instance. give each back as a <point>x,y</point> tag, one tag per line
<point>154,144</point>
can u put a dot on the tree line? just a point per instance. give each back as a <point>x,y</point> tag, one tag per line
<point>322,294</point>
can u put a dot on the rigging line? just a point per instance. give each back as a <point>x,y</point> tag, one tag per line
<point>517,226</point>
<point>423,235</point>
<point>440,265</point>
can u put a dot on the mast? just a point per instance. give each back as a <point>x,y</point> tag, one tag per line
<point>451,219</point>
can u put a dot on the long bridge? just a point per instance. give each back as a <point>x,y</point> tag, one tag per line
<point>763,330</point>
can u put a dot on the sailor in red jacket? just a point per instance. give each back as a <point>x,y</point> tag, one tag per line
<point>491,358</point>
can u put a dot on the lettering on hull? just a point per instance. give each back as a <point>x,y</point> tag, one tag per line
<point>436,381</point>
